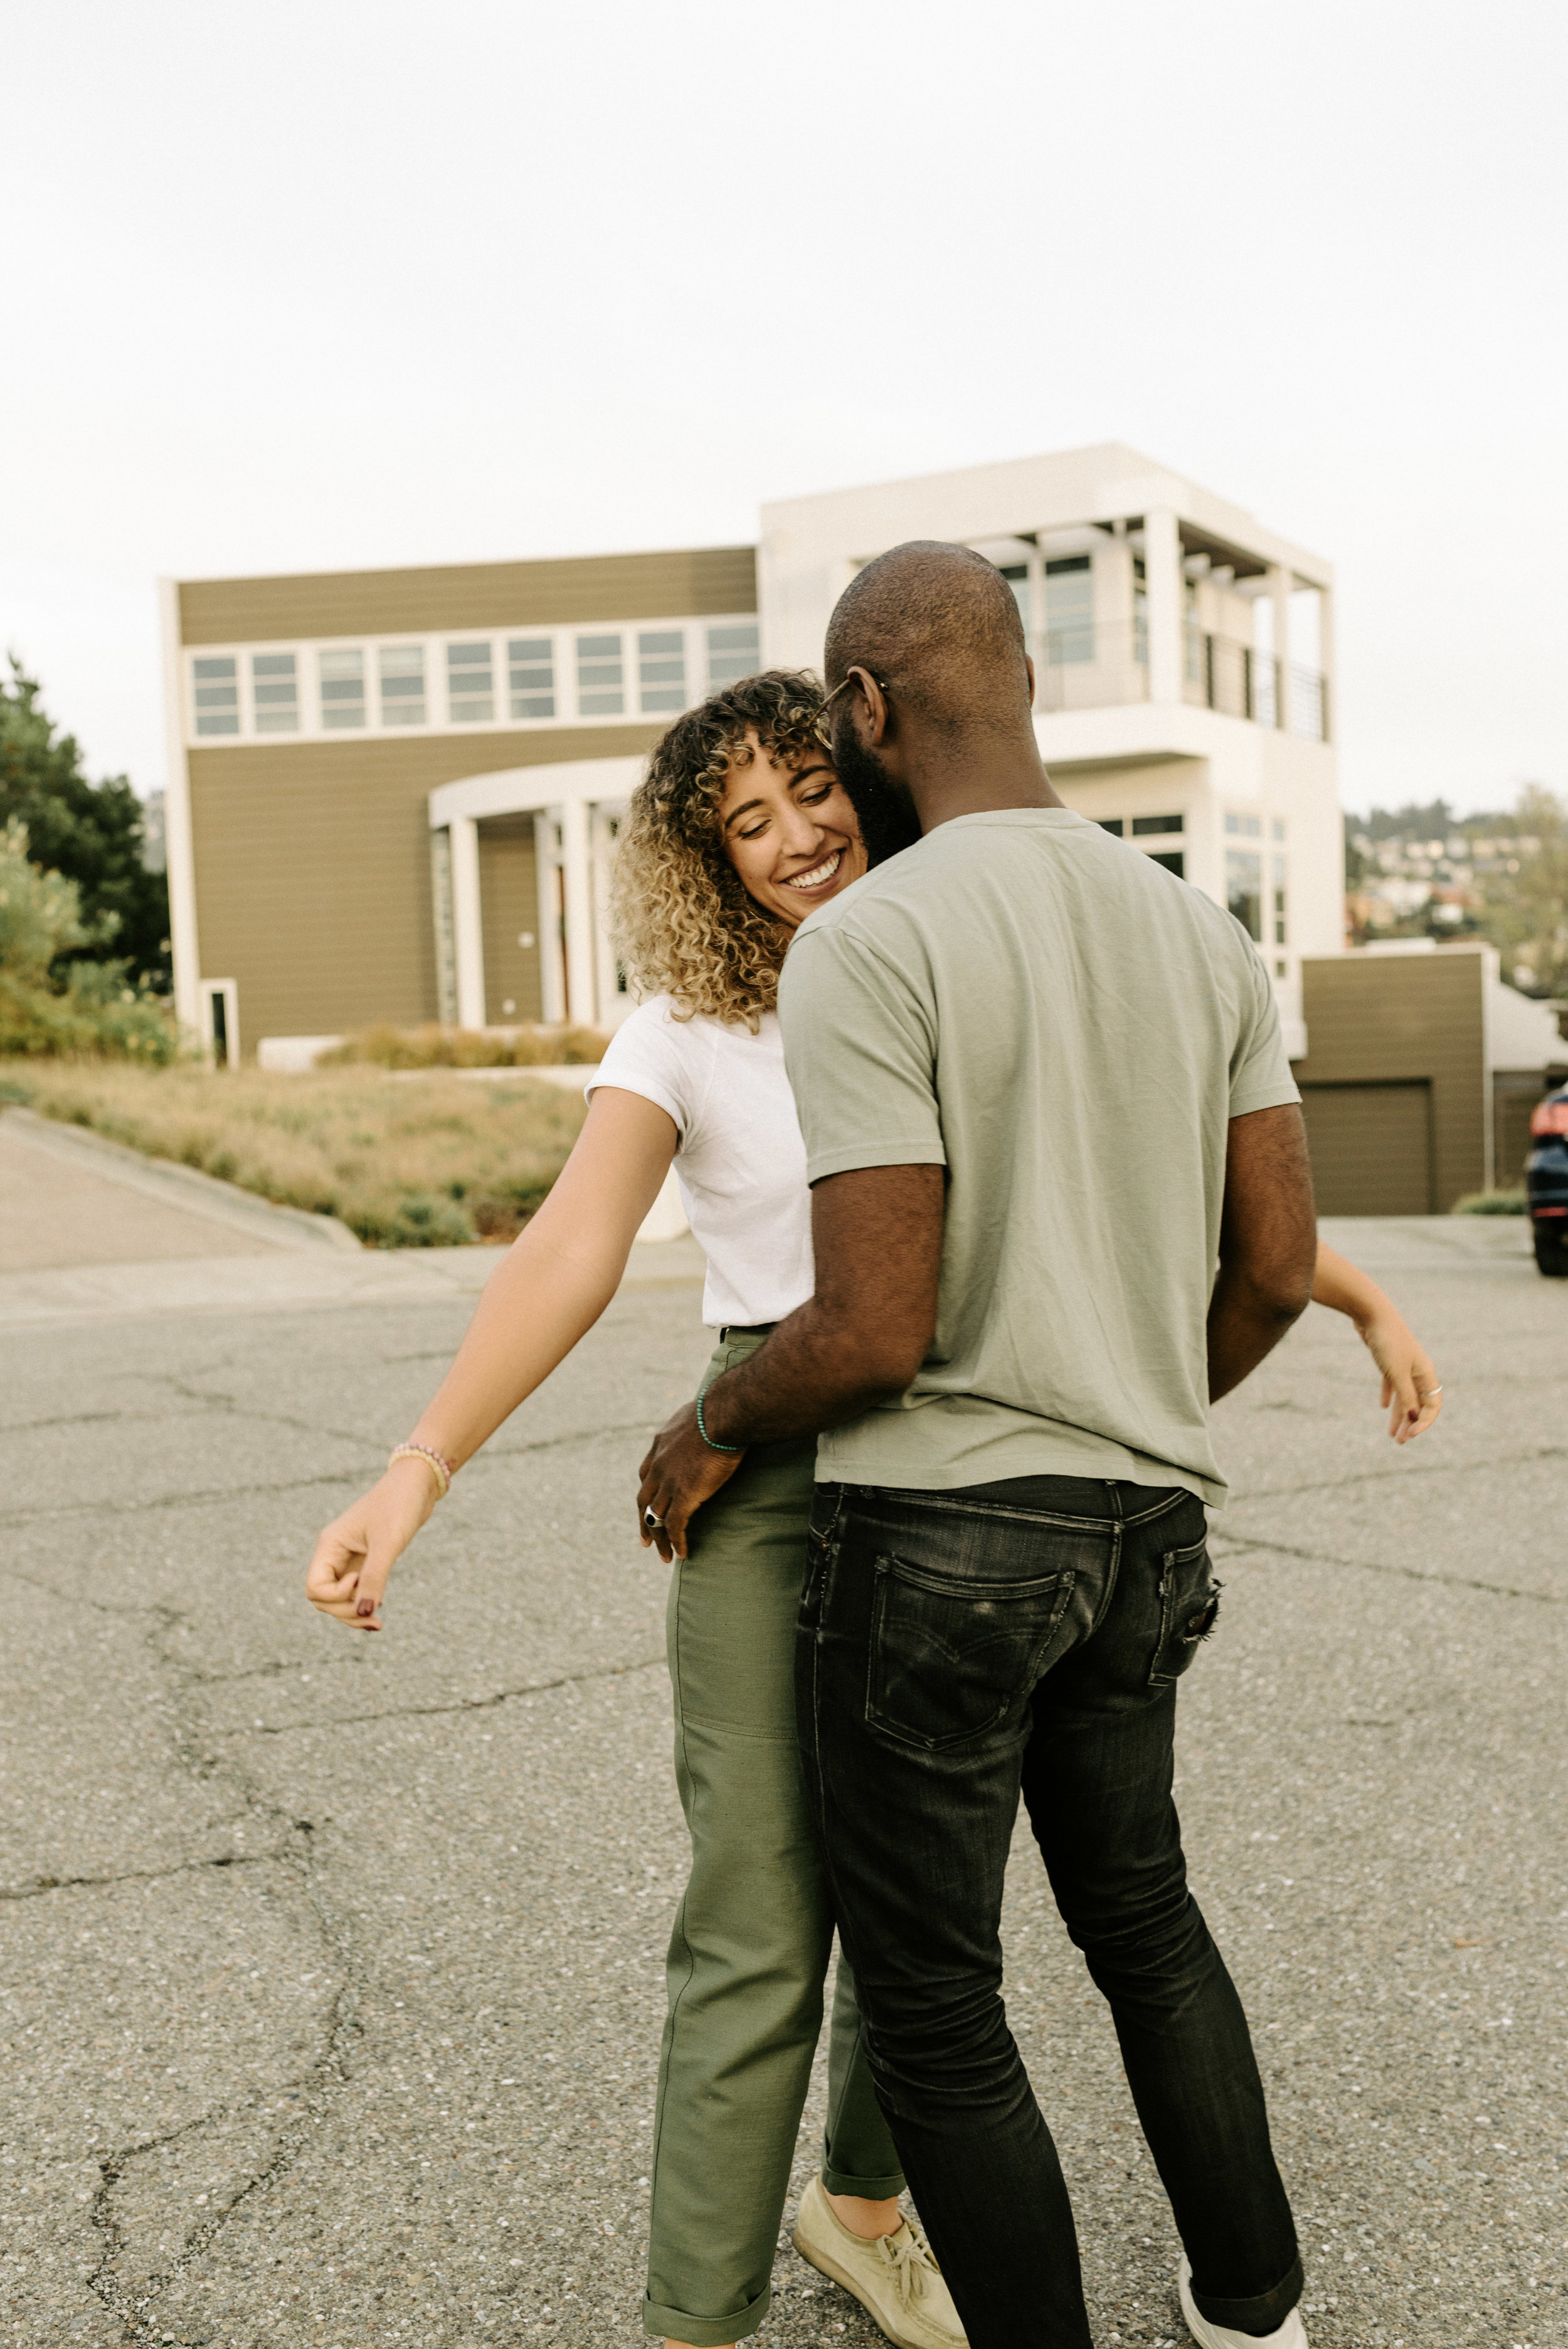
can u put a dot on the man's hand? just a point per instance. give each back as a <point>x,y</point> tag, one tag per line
<point>355,1554</point>
<point>680,1472</point>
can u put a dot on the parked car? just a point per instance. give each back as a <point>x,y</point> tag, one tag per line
<point>1546,1182</point>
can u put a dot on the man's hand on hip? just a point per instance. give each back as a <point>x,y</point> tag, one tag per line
<point>680,1472</point>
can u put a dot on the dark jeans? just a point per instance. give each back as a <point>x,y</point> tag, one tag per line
<point>956,1648</point>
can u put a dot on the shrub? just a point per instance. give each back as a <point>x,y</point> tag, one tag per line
<point>95,1010</point>
<point>1491,1203</point>
<point>430,1047</point>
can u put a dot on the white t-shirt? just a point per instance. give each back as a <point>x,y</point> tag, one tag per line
<point>739,1158</point>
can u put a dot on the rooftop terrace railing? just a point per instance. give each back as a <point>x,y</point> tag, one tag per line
<point>1220,673</point>
<point>1089,664</point>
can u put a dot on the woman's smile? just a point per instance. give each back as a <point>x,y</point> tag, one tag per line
<point>820,877</point>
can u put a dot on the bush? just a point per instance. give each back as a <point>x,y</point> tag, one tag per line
<point>468,1048</point>
<point>1491,1203</point>
<point>94,1009</point>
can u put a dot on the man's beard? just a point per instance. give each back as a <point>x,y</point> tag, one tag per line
<point>884,809</point>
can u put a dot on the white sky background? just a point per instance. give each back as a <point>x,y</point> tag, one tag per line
<point>336,285</point>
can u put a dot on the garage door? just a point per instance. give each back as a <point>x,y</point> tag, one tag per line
<point>1371,1148</point>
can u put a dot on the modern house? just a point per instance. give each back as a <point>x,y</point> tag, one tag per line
<point>393,794</point>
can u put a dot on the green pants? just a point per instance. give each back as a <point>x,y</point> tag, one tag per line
<point>752,1935</point>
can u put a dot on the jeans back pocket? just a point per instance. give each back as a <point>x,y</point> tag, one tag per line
<point>950,1654</point>
<point>1189,1603</point>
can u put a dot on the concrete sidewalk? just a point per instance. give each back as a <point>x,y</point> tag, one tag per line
<point>335,1964</point>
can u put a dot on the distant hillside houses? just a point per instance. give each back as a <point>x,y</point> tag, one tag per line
<point>1407,876</point>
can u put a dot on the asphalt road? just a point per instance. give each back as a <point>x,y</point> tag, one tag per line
<point>332,1967</point>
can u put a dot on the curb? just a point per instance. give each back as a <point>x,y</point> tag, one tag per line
<point>182,1186</point>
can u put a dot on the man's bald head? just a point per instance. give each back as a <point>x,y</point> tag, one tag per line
<point>940,626</point>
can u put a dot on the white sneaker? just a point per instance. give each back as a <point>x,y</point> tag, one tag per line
<point>896,2278</point>
<point>1291,2334</point>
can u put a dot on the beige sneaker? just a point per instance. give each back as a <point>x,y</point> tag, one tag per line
<point>1291,2334</point>
<point>895,2278</point>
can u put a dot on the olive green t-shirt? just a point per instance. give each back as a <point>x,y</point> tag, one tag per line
<point>1067,1029</point>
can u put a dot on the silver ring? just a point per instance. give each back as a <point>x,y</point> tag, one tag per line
<point>651,1518</point>
<point>1426,1393</point>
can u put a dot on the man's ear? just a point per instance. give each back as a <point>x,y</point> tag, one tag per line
<point>1029,673</point>
<point>872,694</point>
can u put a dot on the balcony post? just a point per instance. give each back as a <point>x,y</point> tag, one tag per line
<point>1280,585</point>
<point>1325,660</point>
<point>1162,584</point>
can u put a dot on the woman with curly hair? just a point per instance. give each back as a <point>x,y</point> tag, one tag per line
<point>740,828</point>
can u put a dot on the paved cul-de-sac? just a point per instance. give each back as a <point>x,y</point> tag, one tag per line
<point>332,1966</point>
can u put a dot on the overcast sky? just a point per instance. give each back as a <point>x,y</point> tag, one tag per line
<point>331,286</point>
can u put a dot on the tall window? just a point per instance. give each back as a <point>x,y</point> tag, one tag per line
<point>470,683</point>
<point>342,689</point>
<point>217,691</point>
<point>601,691</point>
<point>661,669</point>
<point>275,692</point>
<point>1069,609</point>
<point>1244,889</point>
<point>531,675</point>
<point>402,685</point>
<point>1017,575</point>
<point>732,653</point>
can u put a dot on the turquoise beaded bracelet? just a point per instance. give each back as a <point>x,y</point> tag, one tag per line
<point>708,1439</point>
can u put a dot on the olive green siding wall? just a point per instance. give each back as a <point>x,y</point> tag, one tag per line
<point>1387,1020</point>
<point>583,589</point>
<point>313,868</point>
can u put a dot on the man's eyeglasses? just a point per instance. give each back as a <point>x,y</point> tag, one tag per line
<point>880,682</point>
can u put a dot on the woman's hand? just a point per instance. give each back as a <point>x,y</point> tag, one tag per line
<point>355,1554</point>
<point>1412,1395</point>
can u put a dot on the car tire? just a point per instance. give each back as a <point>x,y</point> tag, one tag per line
<point>1551,1255</point>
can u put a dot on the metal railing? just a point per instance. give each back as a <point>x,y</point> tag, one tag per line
<point>1219,673</point>
<point>1089,664</point>
<point>1092,664</point>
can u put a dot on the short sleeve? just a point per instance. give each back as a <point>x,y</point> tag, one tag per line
<point>650,1054</point>
<point>861,1050</point>
<point>1260,1068</point>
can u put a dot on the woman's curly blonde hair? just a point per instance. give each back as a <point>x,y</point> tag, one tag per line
<point>685,926</point>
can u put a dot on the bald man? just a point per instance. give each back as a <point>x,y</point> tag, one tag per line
<point>1043,1091</point>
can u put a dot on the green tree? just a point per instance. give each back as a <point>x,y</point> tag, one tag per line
<point>1525,914</point>
<point>40,913</point>
<point>92,834</point>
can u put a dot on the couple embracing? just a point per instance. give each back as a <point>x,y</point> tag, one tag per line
<point>962,1167</point>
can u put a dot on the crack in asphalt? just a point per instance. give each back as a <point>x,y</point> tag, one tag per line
<point>1428,1468</point>
<point>45,1884</point>
<point>1230,1543</point>
<point>122,1507</point>
<point>131,2307</point>
<point>461,1705</point>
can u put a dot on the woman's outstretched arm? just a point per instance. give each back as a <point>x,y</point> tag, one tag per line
<point>1412,1395</point>
<point>545,1294</point>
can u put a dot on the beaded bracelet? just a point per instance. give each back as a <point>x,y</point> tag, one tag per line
<point>708,1439</point>
<point>444,1470</point>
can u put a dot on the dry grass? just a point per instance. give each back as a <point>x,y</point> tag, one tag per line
<point>468,1048</point>
<point>424,1162</point>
